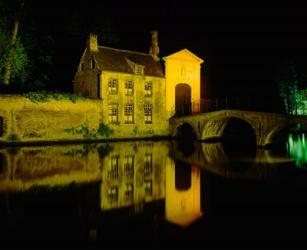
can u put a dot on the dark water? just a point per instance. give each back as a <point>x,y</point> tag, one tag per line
<point>153,193</point>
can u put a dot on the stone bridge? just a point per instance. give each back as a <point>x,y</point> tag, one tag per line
<point>263,126</point>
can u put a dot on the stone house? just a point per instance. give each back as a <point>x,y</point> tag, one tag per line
<point>133,86</point>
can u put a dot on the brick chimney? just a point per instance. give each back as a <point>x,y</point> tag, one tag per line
<point>154,47</point>
<point>92,42</point>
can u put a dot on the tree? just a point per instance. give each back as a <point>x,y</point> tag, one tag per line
<point>13,56</point>
<point>292,89</point>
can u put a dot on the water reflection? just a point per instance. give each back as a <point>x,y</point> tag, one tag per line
<point>297,149</point>
<point>131,174</point>
<point>182,201</point>
<point>25,167</point>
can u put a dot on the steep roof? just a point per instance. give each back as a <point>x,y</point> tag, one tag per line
<point>118,60</point>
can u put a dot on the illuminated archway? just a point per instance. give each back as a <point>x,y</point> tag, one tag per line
<point>183,99</point>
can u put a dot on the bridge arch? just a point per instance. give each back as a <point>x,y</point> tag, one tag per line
<point>279,130</point>
<point>185,130</point>
<point>230,129</point>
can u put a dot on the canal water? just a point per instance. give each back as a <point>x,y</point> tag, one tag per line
<point>150,193</point>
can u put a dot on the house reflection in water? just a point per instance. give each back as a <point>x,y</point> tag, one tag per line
<point>182,200</point>
<point>133,174</point>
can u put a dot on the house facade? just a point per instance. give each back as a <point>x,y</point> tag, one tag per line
<point>138,97</point>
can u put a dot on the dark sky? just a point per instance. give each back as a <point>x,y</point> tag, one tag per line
<point>242,43</point>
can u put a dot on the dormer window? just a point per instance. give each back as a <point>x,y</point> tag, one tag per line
<point>139,69</point>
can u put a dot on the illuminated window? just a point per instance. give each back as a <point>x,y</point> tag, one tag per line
<point>93,64</point>
<point>113,170</point>
<point>148,164</point>
<point>148,187</point>
<point>129,87</point>
<point>113,113</point>
<point>148,89</point>
<point>139,70</point>
<point>1,126</point>
<point>113,86</point>
<point>129,165</point>
<point>129,113</point>
<point>113,194</point>
<point>129,191</point>
<point>148,113</point>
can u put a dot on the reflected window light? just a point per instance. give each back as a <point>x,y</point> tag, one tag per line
<point>148,164</point>
<point>113,194</point>
<point>129,165</point>
<point>148,187</point>
<point>113,171</point>
<point>129,191</point>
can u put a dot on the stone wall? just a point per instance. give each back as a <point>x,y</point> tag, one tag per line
<point>24,120</point>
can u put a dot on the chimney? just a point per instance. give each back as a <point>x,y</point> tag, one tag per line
<point>92,42</point>
<point>154,47</point>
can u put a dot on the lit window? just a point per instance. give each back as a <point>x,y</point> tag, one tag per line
<point>129,113</point>
<point>148,89</point>
<point>113,170</point>
<point>148,113</point>
<point>148,164</point>
<point>113,113</point>
<point>113,86</point>
<point>129,87</point>
<point>129,191</point>
<point>113,194</point>
<point>129,165</point>
<point>148,187</point>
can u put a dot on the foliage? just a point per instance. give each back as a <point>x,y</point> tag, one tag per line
<point>31,55</point>
<point>45,96</point>
<point>17,57</point>
<point>14,54</point>
<point>291,89</point>
<point>102,131</point>
<point>13,137</point>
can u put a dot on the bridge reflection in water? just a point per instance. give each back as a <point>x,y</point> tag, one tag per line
<point>135,173</point>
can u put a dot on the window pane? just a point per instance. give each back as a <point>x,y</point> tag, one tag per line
<point>129,113</point>
<point>113,86</point>
<point>129,87</point>
<point>148,89</point>
<point>148,113</point>
<point>113,112</point>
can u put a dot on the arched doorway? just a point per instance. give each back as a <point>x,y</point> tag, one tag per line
<point>183,99</point>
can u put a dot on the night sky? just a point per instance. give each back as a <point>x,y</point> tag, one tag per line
<point>243,44</point>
